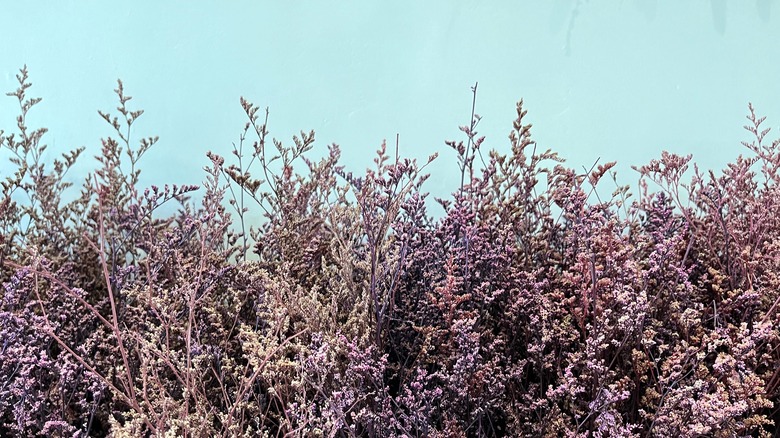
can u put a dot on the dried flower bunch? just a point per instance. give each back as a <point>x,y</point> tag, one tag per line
<point>531,308</point>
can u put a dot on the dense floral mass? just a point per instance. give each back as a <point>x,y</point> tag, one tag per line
<point>533,307</point>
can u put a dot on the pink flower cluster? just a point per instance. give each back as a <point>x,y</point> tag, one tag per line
<point>532,307</point>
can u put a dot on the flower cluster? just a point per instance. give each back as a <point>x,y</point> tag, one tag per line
<point>531,307</point>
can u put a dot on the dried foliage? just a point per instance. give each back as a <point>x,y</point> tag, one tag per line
<point>532,307</point>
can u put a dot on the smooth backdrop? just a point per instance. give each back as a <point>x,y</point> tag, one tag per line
<point>619,80</point>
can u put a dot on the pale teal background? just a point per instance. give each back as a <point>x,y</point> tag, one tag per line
<point>620,80</point>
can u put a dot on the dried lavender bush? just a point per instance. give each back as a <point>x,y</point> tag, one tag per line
<point>531,308</point>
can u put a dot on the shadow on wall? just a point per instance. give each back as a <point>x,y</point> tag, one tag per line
<point>648,9</point>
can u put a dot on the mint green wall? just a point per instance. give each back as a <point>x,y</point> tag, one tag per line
<point>620,80</point>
